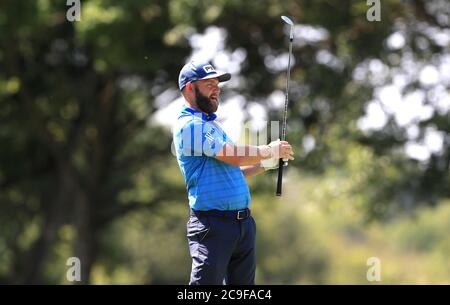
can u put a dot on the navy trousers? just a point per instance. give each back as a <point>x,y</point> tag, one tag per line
<point>222,247</point>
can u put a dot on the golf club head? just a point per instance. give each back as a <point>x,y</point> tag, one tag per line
<point>287,20</point>
<point>291,23</point>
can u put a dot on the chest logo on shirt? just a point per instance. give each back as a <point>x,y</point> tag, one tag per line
<point>209,137</point>
<point>209,134</point>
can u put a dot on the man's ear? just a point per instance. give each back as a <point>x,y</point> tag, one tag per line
<point>190,87</point>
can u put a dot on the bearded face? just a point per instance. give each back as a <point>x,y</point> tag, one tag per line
<point>206,104</point>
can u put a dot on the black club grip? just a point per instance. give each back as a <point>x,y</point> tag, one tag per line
<point>280,177</point>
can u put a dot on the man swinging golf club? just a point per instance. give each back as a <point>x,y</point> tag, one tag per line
<point>221,231</point>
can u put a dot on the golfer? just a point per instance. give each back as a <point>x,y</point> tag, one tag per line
<point>220,231</point>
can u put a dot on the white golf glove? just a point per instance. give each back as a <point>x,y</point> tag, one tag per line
<point>269,164</point>
<point>272,163</point>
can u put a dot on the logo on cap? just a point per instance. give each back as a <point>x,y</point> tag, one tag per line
<point>209,69</point>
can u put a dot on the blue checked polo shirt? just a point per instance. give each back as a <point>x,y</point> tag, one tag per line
<point>211,183</point>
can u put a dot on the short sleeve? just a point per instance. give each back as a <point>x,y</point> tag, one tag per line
<point>199,138</point>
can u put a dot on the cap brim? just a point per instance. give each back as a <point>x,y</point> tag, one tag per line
<point>222,77</point>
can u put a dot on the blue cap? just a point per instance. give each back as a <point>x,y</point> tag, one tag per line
<point>197,70</point>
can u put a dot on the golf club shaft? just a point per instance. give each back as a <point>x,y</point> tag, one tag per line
<point>281,163</point>
<point>286,102</point>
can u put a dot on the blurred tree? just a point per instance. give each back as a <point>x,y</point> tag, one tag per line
<point>77,146</point>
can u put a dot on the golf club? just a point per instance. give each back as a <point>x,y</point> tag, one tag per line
<point>283,131</point>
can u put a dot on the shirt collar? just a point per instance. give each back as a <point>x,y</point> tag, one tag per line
<point>187,110</point>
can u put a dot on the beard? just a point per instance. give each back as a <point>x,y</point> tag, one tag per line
<point>205,104</point>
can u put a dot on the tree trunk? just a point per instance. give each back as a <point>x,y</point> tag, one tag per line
<point>86,243</point>
<point>37,256</point>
